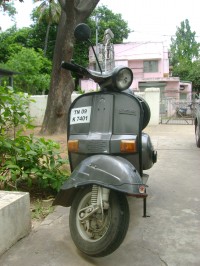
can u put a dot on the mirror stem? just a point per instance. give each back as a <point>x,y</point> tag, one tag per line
<point>95,56</point>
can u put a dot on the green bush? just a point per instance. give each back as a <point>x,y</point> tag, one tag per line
<point>27,160</point>
<point>34,71</point>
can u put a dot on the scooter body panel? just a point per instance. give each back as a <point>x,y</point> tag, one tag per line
<point>112,172</point>
<point>99,121</point>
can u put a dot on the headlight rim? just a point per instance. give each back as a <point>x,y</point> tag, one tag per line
<point>115,75</point>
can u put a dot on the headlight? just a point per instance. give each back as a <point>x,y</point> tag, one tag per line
<point>122,78</point>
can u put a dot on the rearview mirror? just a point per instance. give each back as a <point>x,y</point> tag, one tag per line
<point>82,32</point>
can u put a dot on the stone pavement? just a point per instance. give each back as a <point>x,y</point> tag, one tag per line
<point>170,236</point>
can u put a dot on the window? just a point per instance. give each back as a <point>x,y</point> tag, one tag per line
<point>150,66</point>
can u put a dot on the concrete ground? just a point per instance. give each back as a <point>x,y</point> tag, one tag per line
<point>170,236</point>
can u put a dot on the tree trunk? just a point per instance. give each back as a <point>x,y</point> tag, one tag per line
<point>59,97</point>
<point>46,39</point>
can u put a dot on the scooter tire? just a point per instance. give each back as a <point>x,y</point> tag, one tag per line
<point>116,228</point>
<point>197,134</point>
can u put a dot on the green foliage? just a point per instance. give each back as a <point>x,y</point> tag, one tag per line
<point>48,10</point>
<point>34,69</point>
<point>16,55</point>
<point>194,75</point>
<point>13,112</point>
<point>8,8</point>
<point>38,37</point>
<point>25,159</point>
<point>12,41</point>
<point>108,20</point>
<point>184,47</point>
<point>182,69</point>
<point>184,52</point>
<point>189,71</point>
<point>34,161</point>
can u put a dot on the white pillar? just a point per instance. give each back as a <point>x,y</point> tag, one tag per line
<point>152,96</point>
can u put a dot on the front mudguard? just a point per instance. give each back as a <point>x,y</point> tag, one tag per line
<point>112,172</point>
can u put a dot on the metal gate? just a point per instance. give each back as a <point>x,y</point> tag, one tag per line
<point>178,112</point>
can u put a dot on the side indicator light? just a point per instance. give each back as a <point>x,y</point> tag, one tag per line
<point>128,146</point>
<point>73,145</point>
<point>142,189</point>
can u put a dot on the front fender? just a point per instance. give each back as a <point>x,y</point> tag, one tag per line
<point>112,172</point>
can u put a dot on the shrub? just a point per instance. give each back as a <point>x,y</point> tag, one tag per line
<point>26,159</point>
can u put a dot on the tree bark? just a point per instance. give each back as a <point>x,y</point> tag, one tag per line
<point>61,86</point>
<point>46,39</point>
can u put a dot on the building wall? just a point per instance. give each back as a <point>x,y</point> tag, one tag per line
<point>37,108</point>
<point>138,51</point>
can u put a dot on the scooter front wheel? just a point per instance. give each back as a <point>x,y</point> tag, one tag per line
<point>197,134</point>
<point>101,233</point>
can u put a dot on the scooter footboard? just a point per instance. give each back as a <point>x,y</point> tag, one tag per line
<point>112,172</point>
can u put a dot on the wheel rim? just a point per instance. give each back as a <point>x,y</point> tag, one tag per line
<point>96,226</point>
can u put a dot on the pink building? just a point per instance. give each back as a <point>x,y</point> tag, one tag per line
<point>149,62</point>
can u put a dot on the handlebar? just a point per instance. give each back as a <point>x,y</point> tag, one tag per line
<point>75,68</point>
<point>96,76</point>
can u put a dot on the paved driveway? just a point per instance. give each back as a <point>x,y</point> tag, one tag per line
<point>170,236</point>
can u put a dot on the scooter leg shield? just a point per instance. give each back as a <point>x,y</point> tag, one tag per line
<point>112,172</point>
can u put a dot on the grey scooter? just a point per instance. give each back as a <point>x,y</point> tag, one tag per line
<point>107,153</point>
